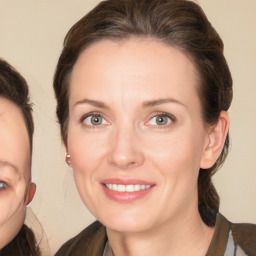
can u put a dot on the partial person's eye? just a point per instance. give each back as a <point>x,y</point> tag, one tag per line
<point>3,185</point>
<point>94,119</point>
<point>161,119</point>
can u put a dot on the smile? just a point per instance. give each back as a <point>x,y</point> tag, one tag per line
<point>127,188</point>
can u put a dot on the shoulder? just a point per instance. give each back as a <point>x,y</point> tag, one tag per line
<point>232,239</point>
<point>91,241</point>
<point>244,235</point>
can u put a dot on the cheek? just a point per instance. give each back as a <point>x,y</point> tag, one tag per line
<point>86,152</point>
<point>87,157</point>
<point>11,203</point>
<point>177,161</point>
<point>176,155</point>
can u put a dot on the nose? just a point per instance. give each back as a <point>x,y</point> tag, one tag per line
<point>125,150</point>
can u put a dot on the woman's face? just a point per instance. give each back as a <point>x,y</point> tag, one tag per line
<point>135,126</point>
<point>14,170</point>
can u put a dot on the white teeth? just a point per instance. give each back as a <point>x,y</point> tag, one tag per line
<point>114,187</point>
<point>127,188</point>
<point>121,188</point>
<point>136,187</point>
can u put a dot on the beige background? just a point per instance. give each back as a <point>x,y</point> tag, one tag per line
<point>31,35</point>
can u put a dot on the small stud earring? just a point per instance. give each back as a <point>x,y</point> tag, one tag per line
<point>67,159</point>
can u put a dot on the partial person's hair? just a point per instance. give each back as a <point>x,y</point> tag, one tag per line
<point>179,23</point>
<point>14,88</point>
<point>22,245</point>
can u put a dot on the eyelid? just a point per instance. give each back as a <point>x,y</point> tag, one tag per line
<point>164,114</point>
<point>96,114</point>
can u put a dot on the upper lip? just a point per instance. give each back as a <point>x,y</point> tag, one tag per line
<point>126,181</point>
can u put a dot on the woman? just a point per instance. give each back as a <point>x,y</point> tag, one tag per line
<point>16,188</point>
<point>142,92</point>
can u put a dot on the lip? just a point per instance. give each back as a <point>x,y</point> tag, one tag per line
<point>126,196</point>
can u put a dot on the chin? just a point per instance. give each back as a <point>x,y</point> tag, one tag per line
<point>126,222</point>
<point>125,227</point>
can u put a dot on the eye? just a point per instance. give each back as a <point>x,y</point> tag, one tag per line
<point>94,120</point>
<point>3,185</point>
<point>161,119</point>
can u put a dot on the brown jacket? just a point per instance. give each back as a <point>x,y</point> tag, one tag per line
<point>92,240</point>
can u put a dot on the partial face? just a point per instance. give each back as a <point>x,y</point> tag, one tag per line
<point>135,134</point>
<point>14,170</point>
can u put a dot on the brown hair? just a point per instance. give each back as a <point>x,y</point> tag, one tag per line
<point>23,244</point>
<point>178,23</point>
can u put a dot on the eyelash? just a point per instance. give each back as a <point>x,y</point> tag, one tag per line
<point>3,185</point>
<point>91,115</point>
<point>172,119</point>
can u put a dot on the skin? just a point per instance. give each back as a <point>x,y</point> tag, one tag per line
<point>130,84</point>
<point>15,188</point>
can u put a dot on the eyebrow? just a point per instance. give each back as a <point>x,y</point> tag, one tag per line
<point>150,103</point>
<point>6,163</point>
<point>95,103</point>
<point>157,102</point>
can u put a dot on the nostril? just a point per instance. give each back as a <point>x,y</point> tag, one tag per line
<point>132,164</point>
<point>124,162</point>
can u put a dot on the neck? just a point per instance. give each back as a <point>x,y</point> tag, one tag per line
<point>183,237</point>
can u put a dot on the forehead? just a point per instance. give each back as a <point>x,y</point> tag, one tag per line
<point>142,49</point>
<point>14,146</point>
<point>140,65</point>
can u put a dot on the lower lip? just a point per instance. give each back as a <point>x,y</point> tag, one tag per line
<point>126,196</point>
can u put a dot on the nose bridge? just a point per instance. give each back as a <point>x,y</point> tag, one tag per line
<point>125,150</point>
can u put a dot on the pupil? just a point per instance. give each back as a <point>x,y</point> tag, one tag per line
<point>2,185</point>
<point>161,120</point>
<point>97,120</point>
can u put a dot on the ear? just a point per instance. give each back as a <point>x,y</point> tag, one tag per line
<point>215,142</point>
<point>31,192</point>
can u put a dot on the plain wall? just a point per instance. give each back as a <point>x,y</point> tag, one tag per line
<point>31,36</point>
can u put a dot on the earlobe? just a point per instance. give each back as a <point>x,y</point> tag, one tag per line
<point>31,192</point>
<point>68,157</point>
<point>67,160</point>
<point>216,139</point>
